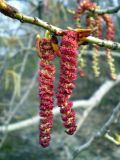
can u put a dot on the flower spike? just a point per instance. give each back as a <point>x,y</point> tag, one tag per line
<point>46,88</point>
<point>68,64</point>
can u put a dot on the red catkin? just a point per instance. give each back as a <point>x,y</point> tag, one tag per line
<point>110,35</point>
<point>46,91</point>
<point>68,64</point>
<point>83,6</point>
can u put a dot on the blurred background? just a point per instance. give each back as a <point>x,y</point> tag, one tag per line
<point>19,94</point>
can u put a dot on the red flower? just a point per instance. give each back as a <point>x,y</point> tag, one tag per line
<point>46,90</point>
<point>68,64</point>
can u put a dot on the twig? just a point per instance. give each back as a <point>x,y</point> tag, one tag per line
<point>21,72</point>
<point>24,97</point>
<point>101,53</point>
<point>2,68</point>
<point>109,10</point>
<point>103,43</point>
<point>101,132</point>
<point>112,139</point>
<point>22,51</point>
<point>15,14</point>
<point>93,101</point>
<point>12,12</point>
<point>16,108</point>
<point>84,117</point>
<point>26,56</point>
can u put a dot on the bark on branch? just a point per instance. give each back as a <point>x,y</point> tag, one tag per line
<point>103,43</point>
<point>12,12</point>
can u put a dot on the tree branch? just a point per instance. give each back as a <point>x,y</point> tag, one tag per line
<point>101,132</point>
<point>103,43</point>
<point>15,14</point>
<point>108,11</point>
<point>12,12</point>
<point>98,11</point>
<point>91,102</point>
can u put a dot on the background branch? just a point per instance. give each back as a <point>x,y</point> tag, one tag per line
<point>12,113</point>
<point>90,103</point>
<point>101,132</point>
<point>108,10</point>
<point>98,11</point>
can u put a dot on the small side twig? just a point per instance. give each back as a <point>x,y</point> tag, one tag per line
<point>99,133</point>
<point>109,10</point>
<point>112,139</point>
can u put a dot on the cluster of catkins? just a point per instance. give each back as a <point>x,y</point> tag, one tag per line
<point>68,61</point>
<point>95,21</point>
<point>48,49</point>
